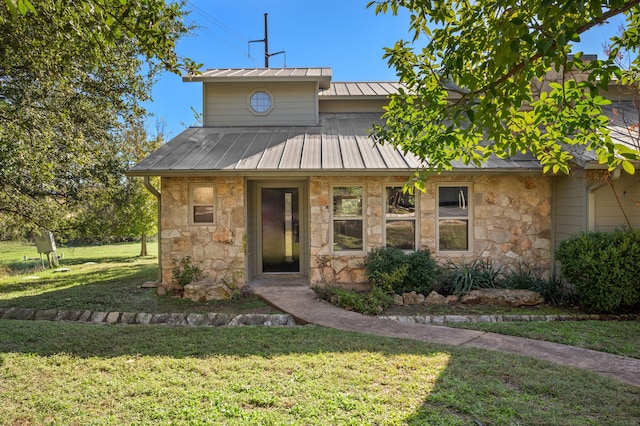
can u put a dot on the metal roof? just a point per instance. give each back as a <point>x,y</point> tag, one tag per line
<point>360,88</point>
<point>624,123</point>
<point>341,144</point>
<point>371,89</point>
<point>321,75</point>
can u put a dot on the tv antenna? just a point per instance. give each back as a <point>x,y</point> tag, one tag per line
<point>265,40</point>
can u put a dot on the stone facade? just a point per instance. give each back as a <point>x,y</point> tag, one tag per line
<point>510,225</point>
<point>219,248</point>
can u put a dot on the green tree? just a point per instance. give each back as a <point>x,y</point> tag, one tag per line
<point>472,81</point>
<point>73,76</point>
<point>122,209</point>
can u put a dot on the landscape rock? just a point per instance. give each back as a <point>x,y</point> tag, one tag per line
<point>205,290</point>
<point>98,317</point>
<point>46,315</point>
<point>19,313</point>
<point>218,319</point>
<point>143,318</point>
<point>453,298</point>
<point>398,300</point>
<point>435,298</point>
<point>195,319</point>
<point>85,316</point>
<point>128,318</point>
<point>159,318</point>
<point>177,319</point>
<point>412,298</point>
<point>113,318</point>
<point>502,297</point>
<point>75,315</point>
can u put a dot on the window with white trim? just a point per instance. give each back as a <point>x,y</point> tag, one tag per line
<point>400,218</point>
<point>348,219</point>
<point>202,203</point>
<point>454,218</point>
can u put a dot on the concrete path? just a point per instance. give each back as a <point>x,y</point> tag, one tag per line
<point>304,305</point>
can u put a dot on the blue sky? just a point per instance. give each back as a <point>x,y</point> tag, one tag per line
<point>341,34</point>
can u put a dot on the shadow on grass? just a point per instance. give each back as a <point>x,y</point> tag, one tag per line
<point>472,387</point>
<point>115,288</point>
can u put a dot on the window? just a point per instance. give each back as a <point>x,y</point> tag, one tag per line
<point>348,222</point>
<point>260,102</point>
<point>453,218</point>
<point>400,219</point>
<point>202,198</point>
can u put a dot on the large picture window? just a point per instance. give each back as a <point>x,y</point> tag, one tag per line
<point>348,221</point>
<point>202,203</point>
<point>453,218</point>
<point>400,219</point>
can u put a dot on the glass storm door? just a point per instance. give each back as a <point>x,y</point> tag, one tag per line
<point>280,230</point>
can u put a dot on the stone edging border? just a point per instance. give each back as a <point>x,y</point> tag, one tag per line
<point>176,319</point>
<point>266,320</point>
<point>461,319</point>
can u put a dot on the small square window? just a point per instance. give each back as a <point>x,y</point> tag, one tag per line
<point>202,203</point>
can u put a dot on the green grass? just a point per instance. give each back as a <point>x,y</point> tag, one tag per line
<point>101,278</point>
<point>78,374</point>
<point>108,278</point>
<point>617,337</point>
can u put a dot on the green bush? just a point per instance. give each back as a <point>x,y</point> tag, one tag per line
<point>185,272</point>
<point>603,268</point>
<point>398,272</point>
<point>464,277</point>
<point>554,289</point>
<point>383,263</point>
<point>423,272</point>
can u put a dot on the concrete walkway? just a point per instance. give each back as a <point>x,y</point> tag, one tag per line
<point>304,305</point>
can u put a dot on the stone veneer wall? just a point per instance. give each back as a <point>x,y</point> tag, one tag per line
<point>511,224</point>
<point>218,249</point>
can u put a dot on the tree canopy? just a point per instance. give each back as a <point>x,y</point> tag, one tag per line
<point>73,76</point>
<point>472,81</point>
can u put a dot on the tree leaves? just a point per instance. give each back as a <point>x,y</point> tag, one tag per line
<point>73,76</point>
<point>494,58</point>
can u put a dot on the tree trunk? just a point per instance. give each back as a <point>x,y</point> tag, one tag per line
<point>143,244</point>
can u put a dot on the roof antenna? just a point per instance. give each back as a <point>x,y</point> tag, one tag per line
<point>265,40</point>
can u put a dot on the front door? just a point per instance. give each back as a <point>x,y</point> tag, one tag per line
<point>279,227</point>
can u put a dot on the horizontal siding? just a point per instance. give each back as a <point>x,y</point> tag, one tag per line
<point>227,104</point>
<point>608,214</point>
<point>570,207</point>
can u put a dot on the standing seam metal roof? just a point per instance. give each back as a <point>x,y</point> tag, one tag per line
<point>340,144</point>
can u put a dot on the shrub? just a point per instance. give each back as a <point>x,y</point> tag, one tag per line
<point>423,272</point>
<point>381,264</point>
<point>554,289</point>
<point>185,272</point>
<point>371,302</point>
<point>464,277</point>
<point>398,272</point>
<point>603,268</point>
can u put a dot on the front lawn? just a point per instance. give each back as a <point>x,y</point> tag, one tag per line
<point>101,278</point>
<point>108,278</point>
<point>77,374</point>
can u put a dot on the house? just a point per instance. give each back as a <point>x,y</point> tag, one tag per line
<point>283,182</point>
